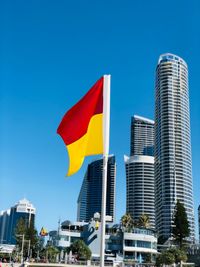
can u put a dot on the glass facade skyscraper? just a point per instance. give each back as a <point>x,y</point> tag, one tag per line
<point>173,164</point>
<point>82,200</point>
<point>4,226</point>
<point>8,220</point>
<point>90,196</point>
<point>140,170</point>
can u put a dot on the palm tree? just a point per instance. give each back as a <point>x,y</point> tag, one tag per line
<point>50,253</point>
<point>127,222</point>
<point>143,221</point>
<point>81,250</point>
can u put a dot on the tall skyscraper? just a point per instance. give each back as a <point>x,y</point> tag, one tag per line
<point>82,202</point>
<point>173,164</point>
<point>140,197</point>
<point>8,220</point>
<point>89,200</point>
<point>142,136</point>
<point>140,170</point>
<point>4,223</point>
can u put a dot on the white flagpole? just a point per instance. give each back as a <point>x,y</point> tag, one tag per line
<point>106,137</point>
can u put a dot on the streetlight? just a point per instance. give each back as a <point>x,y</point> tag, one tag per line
<point>29,246</point>
<point>22,251</point>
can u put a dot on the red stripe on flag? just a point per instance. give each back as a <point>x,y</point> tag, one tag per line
<point>75,122</point>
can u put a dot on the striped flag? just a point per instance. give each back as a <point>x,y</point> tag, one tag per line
<point>82,127</point>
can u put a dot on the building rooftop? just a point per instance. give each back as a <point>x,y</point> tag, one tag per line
<point>169,56</point>
<point>139,118</point>
<point>138,158</point>
<point>69,223</point>
<point>24,205</point>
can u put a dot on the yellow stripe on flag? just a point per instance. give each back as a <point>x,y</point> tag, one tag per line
<point>89,144</point>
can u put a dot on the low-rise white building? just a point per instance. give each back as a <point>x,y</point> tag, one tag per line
<point>67,233</point>
<point>139,244</point>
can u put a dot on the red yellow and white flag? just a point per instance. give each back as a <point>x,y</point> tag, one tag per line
<point>82,127</point>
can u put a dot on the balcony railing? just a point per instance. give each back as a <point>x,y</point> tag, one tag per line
<point>141,231</point>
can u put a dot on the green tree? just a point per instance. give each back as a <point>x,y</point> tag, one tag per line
<point>81,250</point>
<point>20,233</point>
<point>181,228</point>
<point>143,221</point>
<point>20,230</point>
<point>40,244</point>
<point>180,254</point>
<point>166,257</point>
<point>127,222</point>
<point>172,255</point>
<point>51,253</point>
<point>30,236</point>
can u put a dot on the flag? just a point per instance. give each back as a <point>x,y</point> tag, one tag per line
<point>43,232</point>
<point>82,127</point>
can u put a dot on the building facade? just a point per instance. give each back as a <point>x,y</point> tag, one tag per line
<point>140,245</point>
<point>9,219</point>
<point>142,136</point>
<point>83,200</point>
<point>140,170</point>
<point>140,195</point>
<point>4,226</point>
<point>89,200</point>
<point>135,245</point>
<point>173,163</point>
<point>67,233</point>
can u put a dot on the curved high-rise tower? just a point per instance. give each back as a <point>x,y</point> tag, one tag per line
<point>140,197</point>
<point>173,164</point>
<point>140,193</point>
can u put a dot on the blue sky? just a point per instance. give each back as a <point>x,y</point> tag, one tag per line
<point>51,52</point>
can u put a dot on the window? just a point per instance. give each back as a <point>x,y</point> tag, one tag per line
<point>130,243</point>
<point>143,244</point>
<point>64,238</point>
